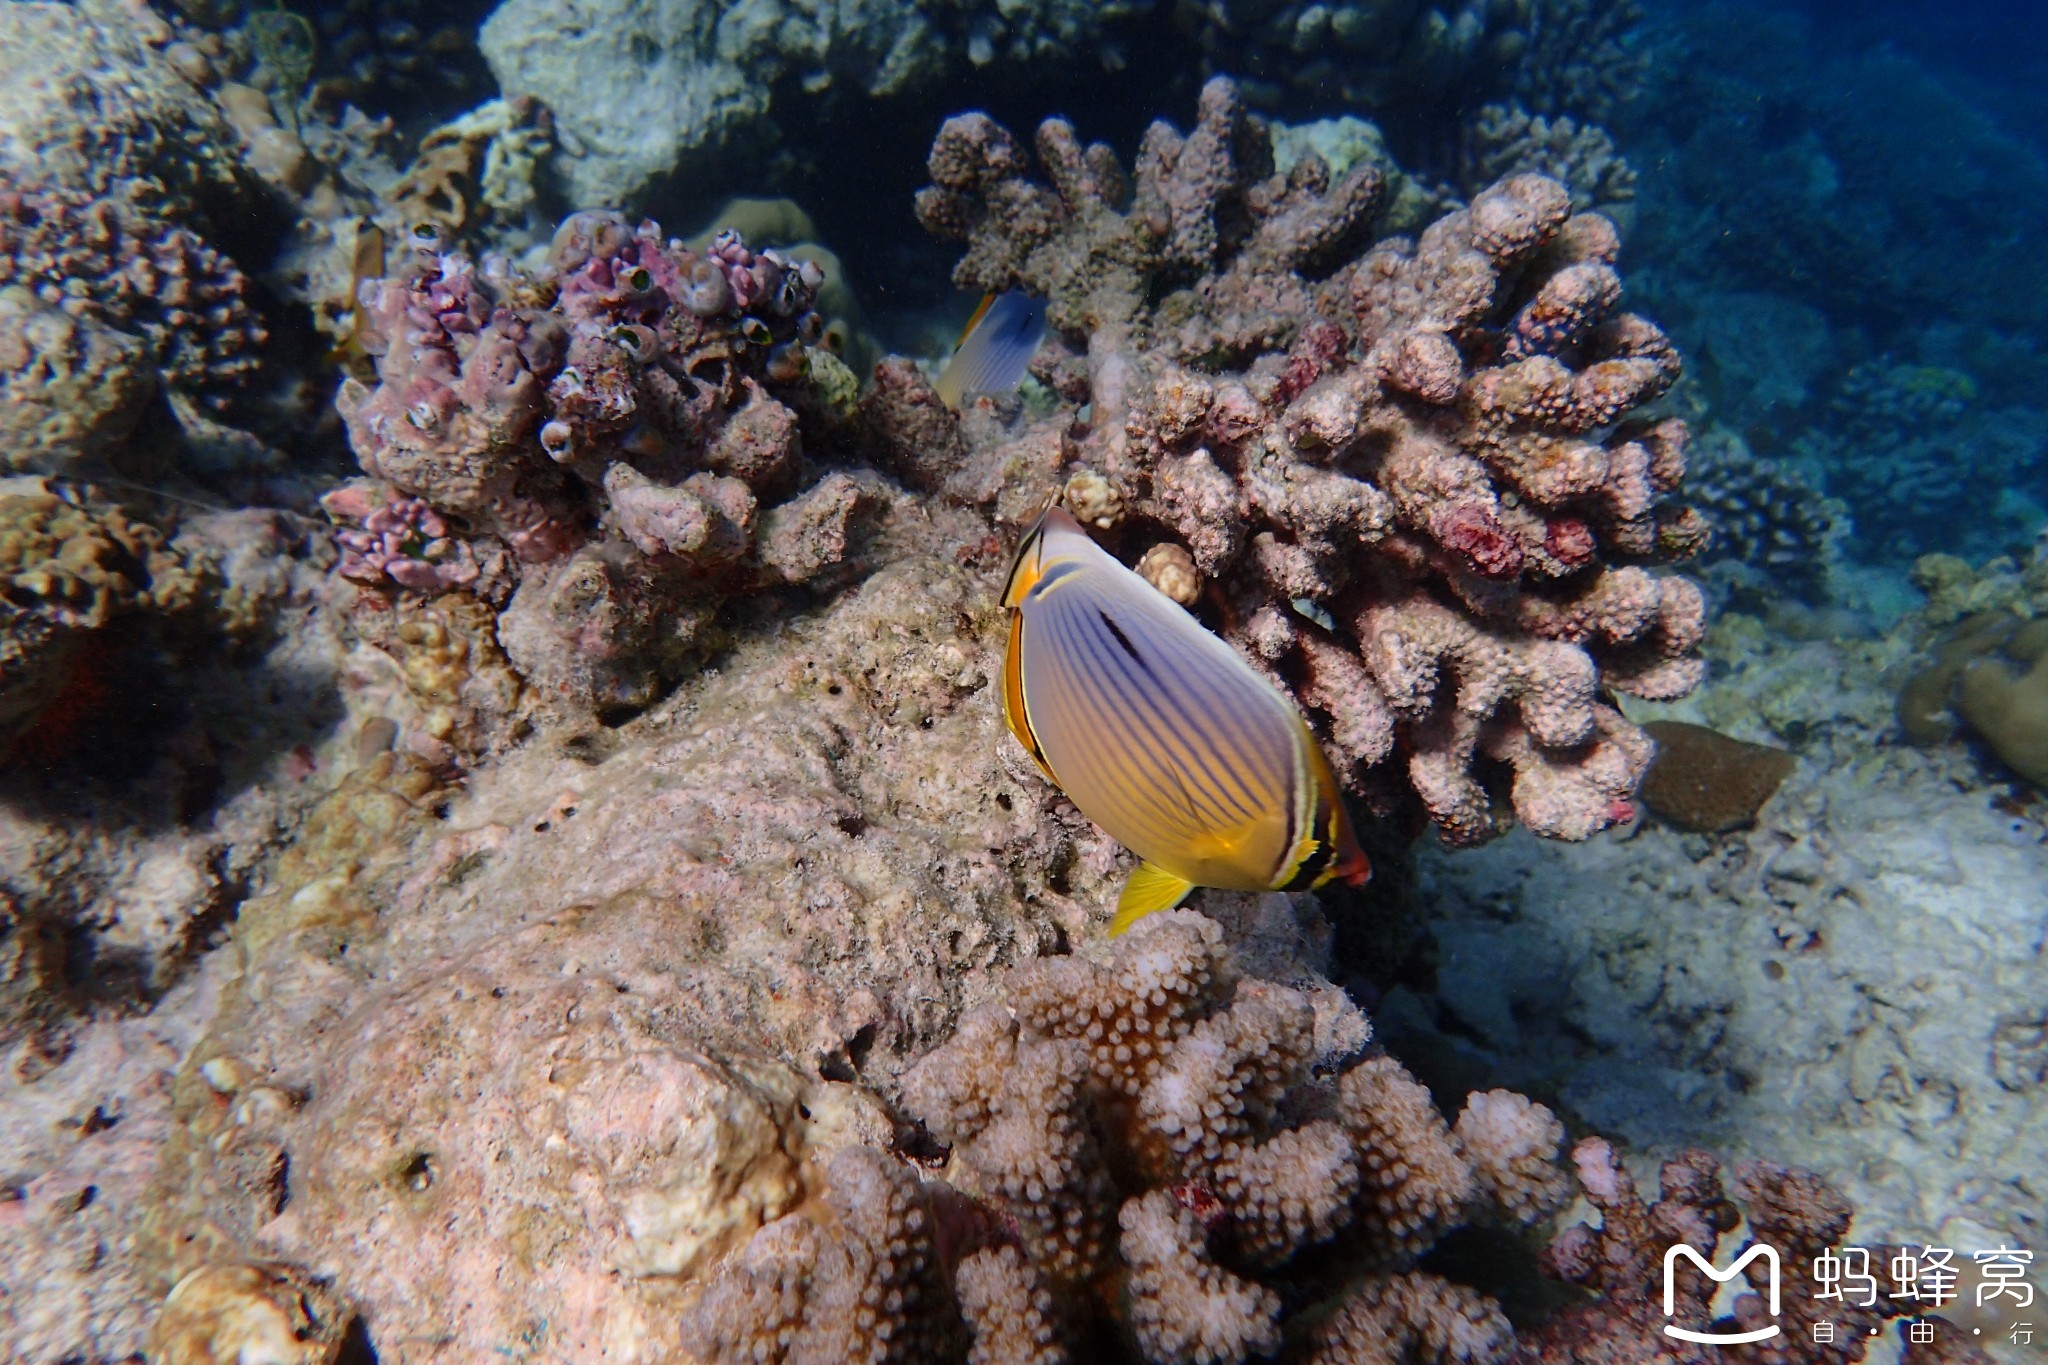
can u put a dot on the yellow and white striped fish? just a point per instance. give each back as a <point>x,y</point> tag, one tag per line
<point>995,348</point>
<point>1162,734</point>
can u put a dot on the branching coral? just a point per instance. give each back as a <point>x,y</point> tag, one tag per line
<point>120,260</point>
<point>1773,530</point>
<point>1143,1146</point>
<point>1421,64</point>
<point>1420,479</point>
<point>610,425</point>
<point>1508,140</point>
<point>1622,1261</point>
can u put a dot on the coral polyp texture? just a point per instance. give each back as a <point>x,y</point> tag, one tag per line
<point>1419,481</point>
<point>1141,1148</point>
<point>1622,1262</point>
<point>605,436</point>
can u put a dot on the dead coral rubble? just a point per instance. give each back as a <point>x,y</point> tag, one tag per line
<point>1140,1149</point>
<point>1419,474</point>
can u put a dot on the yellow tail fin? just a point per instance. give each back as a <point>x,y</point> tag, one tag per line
<point>1150,888</point>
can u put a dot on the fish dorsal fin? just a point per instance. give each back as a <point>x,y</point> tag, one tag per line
<point>1150,888</point>
<point>1024,564</point>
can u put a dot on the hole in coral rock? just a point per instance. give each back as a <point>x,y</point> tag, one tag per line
<point>858,1046</point>
<point>1003,800</point>
<point>612,717</point>
<point>355,1345</point>
<point>417,1174</point>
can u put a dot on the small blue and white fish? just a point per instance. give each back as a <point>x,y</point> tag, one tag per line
<point>995,348</point>
<point>1162,734</point>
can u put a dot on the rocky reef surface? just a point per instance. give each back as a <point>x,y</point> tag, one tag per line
<point>559,886</point>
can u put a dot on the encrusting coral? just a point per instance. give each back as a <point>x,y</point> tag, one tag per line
<point>606,436</point>
<point>1705,781</point>
<point>68,571</point>
<point>1141,1147</point>
<point>1415,481</point>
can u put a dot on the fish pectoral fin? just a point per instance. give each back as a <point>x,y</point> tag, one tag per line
<point>1150,888</point>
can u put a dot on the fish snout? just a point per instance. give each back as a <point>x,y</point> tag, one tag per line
<point>1355,869</point>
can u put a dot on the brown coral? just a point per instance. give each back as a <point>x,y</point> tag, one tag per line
<point>68,570</point>
<point>1704,781</point>
<point>1796,1212</point>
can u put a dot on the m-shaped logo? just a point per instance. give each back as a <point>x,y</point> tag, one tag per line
<point>1682,1251</point>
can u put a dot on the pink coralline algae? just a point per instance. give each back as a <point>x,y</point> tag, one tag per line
<point>1417,477</point>
<point>612,425</point>
<point>401,540</point>
<point>1621,1262</point>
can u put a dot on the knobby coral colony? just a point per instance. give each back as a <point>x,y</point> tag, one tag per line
<point>1141,1149</point>
<point>1418,479</point>
<point>1158,1158</point>
<point>607,427</point>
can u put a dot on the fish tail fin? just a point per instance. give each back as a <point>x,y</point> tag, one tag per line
<point>1150,889</point>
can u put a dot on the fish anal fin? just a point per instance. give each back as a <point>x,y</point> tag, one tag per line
<point>1150,889</point>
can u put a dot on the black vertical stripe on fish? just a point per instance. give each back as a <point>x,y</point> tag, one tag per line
<point>1143,797</point>
<point>1125,641</point>
<point>1131,714</point>
<point>1195,745</point>
<point>1220,730</point>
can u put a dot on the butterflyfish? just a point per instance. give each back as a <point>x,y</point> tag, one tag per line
<point>1163,734</point>
<point>995,348</point>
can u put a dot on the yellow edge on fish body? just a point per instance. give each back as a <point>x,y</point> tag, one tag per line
<point>1161,733</point>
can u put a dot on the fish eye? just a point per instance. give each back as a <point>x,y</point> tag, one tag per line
<point>426,235</point>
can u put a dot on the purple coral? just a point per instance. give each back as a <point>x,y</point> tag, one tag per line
<point>614,421</point>
<point>399,540</point>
